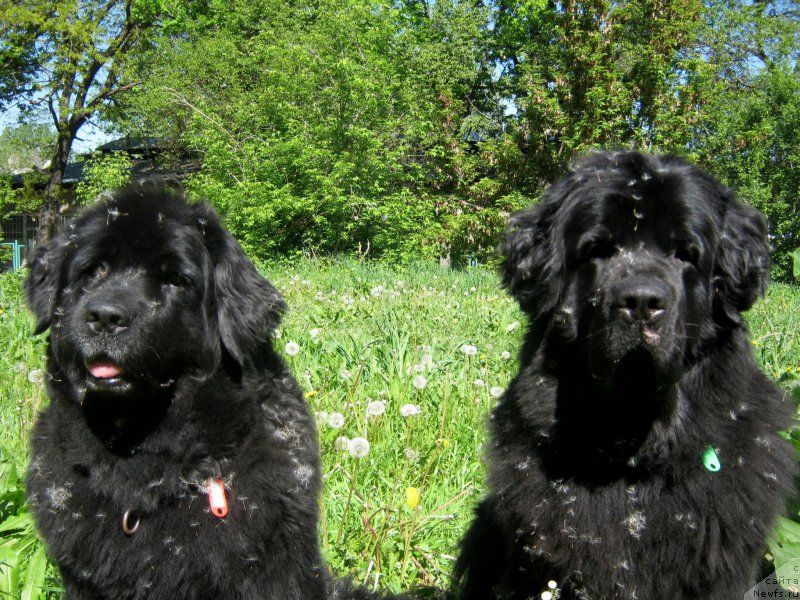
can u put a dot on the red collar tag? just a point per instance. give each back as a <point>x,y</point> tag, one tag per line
<point>216,497</point>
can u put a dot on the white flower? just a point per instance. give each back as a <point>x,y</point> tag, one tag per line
<point>547,596</point>
<point>496,391</point>
<point>341,443</point>
<point>411,454</point>
<point>410,410</point>
<point>291,348</point>
<point>335,420</point>
<point>478,383</point>
<point>314,333</point>
<point>469,350</point>
<point>419,382</point>
<point>376,408</point>
<point>358,447</point>
<point>512,326</point>
<point>505,355</point>
<point>552,584</point>
<point>345,374</point>
<point>36,376</point>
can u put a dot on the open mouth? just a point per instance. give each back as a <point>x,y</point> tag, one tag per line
<point>106,375</point>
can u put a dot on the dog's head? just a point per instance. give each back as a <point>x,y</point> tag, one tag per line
<point>636,262</point>
<point>144,289</point>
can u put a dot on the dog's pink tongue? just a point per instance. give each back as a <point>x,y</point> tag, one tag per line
<point>104,370</point>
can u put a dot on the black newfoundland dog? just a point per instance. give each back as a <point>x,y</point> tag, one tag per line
<point>636,453</point>
<point>178,458</point>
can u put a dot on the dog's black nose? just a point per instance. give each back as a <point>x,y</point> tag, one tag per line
<point>641,301</point>
<point>104,316</point>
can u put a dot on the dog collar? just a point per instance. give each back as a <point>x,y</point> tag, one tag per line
<point>217,502</point>
<point>711,460</point>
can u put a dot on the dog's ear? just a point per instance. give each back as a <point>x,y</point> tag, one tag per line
<point>532,258</point>
<point>248,306</point>
<point>44,281</point>
<point>742,268</point>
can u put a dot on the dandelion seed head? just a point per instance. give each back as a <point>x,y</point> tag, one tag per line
<point>335,420</point>
<point>411,455</point>
<point>419,382</point>
<point>469,350</point>
<point>291,348</point>
<point>36,376</point>
<point>410,410</point>
<point>376,408</point>
<point>358,447</point>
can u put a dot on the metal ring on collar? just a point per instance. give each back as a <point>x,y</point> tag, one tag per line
<point>129,528</point>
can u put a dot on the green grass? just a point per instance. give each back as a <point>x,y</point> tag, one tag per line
<point>365,332</point>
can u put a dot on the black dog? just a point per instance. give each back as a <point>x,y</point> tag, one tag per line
<point>635,455</point>
<point>178,458</point>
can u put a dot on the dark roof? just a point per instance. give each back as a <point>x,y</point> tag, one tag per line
<point>142,151</point>
<point>134,145</point>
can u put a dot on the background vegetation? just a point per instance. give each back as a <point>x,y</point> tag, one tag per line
<point>411,128</point>
<point>410,359</point>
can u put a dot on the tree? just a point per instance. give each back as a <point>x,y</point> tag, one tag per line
<point>327,124</point>
<point>750,134</point>
<point>596,73</point>
<point>68,58</point>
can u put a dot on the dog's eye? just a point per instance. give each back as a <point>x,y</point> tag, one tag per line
<point>688,253</point>
<point>176,280</point>
<point>99,270</point>
<point>597,249</point>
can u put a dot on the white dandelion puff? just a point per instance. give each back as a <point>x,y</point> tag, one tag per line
<point>419,382</point>
<point>505,355</point>
<point>291,348</point>
<point>469,350</point>
<point>335,420</point>
<point>36,376</point>
<point>358,447</point>
<point>496,391</point>
<point>376,408</point>
<point>341,443</point>
<point>410,410</point>
<point>411,455</point>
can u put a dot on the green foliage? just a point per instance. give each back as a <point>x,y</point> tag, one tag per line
<point>331,127</point>
<point>23,562</point>
<point>785,549</point>
<point>23,565</point>
<point>597,73</point>
<point>754,145</point>
<point>103,172</point>
<point>25,147</point>
<point>796,263</point>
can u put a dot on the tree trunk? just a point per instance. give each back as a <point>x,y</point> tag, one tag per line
<point>54,203</point>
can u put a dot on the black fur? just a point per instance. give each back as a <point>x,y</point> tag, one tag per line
<point>634,271</point>
<point>153,286</point>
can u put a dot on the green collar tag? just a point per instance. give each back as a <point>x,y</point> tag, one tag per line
<point>711,460</point>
